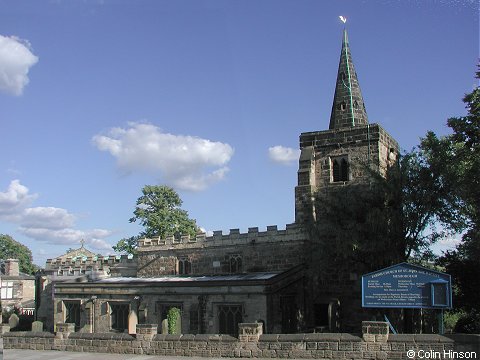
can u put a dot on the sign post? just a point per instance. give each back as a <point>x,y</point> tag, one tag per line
<point>407,286</point>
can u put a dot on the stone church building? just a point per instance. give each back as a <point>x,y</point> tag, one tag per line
<point>221,280</point>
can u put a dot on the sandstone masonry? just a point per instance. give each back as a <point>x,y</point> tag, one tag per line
<point>255,345</point>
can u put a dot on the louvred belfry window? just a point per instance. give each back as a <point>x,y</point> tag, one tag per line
<point>340,169</point>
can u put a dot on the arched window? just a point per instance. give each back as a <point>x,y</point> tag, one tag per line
<point>229,316</point>
<point>235,264</point>
<point>184,266</point>
<point>119,316</point>
<point>342,106</point>
<point>340,169</point>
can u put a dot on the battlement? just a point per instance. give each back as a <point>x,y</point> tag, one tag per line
<point>292,232</point>
<point>344,136</point>
<point>79,261</point>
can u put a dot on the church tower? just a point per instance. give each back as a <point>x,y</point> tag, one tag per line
<point>338,156</point>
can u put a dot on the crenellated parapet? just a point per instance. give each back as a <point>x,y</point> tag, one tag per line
<point>78,261</point>
<point>235,252</point>
<point>292,233</point>
<point>111,265</point>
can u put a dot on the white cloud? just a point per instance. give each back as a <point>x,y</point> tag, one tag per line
<point>49,224</point>
<point>283,155</point>
<point>185,162</point>
<point>14,200</point>
<point>69,236</point>
<point>16,59</point>
<point>48,218</point>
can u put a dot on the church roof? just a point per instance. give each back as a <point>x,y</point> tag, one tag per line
<point>190,279</point>
<point>81,252</point>
<point>348,109</point>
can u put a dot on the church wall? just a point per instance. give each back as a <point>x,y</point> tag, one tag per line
<point>148,304</point>
<point>333,290</point>
<point>369,144</point>
<point>359,146</point>
<point>264,251</point>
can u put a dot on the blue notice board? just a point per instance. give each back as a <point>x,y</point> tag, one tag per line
<point>407,286</point>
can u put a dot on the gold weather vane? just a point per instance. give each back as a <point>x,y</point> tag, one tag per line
<point>343,18</point>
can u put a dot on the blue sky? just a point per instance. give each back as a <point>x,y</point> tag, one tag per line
<point>99,98</point>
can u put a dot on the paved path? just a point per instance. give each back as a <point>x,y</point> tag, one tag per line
<point>67,355</point>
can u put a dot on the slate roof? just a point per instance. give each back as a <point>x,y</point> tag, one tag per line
<point>185,278</point>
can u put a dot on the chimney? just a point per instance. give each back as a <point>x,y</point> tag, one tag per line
<point>11,267</point>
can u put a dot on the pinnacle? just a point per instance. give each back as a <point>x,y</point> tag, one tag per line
<point>348,109</point>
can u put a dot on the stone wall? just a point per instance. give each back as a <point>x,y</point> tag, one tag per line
<point>112,265</point>
<point>378,344</point>
<point>258,298</point>
<point>360,145</point>
<point>337,288</point>
<point>271,250</point>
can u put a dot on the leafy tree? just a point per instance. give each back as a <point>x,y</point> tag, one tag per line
<point>383,220</point>
<point>127,245</point>
<point>386,220</point>
<point>455,160</point>
<point>158,211</point>
<point>350,230</point>
<point>11,249</point>
<point>423,198</point>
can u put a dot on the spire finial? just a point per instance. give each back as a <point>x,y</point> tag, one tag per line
<point>343,18</point>
<point>82,242</point>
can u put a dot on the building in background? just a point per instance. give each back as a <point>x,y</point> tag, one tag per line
<point>17,290</point>
<point>75,265</point>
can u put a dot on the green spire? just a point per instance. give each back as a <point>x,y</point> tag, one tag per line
<point>348,108</point>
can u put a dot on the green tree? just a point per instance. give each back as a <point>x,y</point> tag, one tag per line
<point>422,198</point>
<point>159,211</point>
<point>11,249</point>
<point>386,220</point>
<point>455,162</point>
<point>127,245</point>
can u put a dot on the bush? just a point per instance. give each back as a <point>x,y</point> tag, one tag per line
<point>468,323</point>
<point>173,316</point>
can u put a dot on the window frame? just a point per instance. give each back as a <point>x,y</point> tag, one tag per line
<point>339,169</point>
<point>235,263</point>
<point>6,289</point>
<point>184,266</point>
<point>221,311</point>
<point>67,306</point>
<point>115,306</point>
